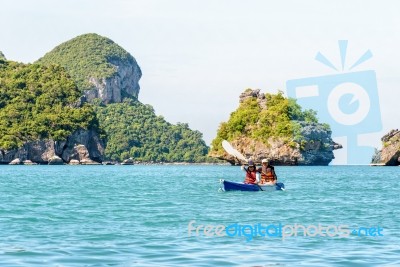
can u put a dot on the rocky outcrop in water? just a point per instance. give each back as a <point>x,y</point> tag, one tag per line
<point>312,143</point>
<point>389,155</point>
<point>129,161</point>
<point>16,161</point>
<point>316,145</point>
<point>84,146</point>
<point>316,151</point>
<point>55,160</point>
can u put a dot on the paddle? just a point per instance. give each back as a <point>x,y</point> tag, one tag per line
<point>233,152</point>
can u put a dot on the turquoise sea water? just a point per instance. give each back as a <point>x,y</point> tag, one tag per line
<point>139,215</point>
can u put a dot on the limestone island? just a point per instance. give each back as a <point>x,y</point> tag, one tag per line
<point>275,127</point>
<point>78,104</point>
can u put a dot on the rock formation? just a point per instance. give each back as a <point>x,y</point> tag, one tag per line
<point>249,93</point>
<point>389,155</point>
<point>313,145</point>
<point>83,145</point>
<point>74,162</point>
<point>125,82</point>
<point>129,161</point>
<point>317,152</point>
<point>317,147</point>
<point>16,161</point>
<point>28,162</point>
<point>55,160</point>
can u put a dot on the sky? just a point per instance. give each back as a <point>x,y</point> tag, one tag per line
<point>198,56</point>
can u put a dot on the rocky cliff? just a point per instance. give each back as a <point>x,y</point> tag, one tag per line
<point>390,153</point>
<point>101,68</point>
<point>124,83</point>
<point>317,151</point>
<point>85,146</point>
<point>306,143</point>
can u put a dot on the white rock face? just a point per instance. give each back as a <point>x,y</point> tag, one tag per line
<point>55,160</point>
<point>125,82</point>
<point>16,161</point>
<point>73,162</point>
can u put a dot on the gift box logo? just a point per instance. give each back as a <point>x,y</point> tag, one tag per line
<point>348,102</point>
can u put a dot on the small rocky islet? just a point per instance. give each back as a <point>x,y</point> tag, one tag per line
<point>272,126</point>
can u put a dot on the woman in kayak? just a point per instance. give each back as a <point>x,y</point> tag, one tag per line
<point>252,175</point>
<point>268,175</point>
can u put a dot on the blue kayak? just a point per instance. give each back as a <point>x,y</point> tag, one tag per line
<point>232,186</point>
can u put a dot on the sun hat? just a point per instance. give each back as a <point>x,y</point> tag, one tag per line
<point>265,161</point>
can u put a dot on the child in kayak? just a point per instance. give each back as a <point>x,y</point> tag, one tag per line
<point>268,175</point>
<point>252,175</point>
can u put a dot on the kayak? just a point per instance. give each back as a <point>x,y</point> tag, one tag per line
<point>233,186</point>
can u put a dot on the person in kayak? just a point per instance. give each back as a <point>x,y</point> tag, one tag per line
<point>268,175</point>
<point>252,175</point>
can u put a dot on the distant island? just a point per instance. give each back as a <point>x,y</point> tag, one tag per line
<point>78,104</point>
<point>275,127</point>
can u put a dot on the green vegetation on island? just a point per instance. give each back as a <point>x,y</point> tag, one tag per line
<point>38,102</point>
<point>280,119</point>
<point>134,130</point>
<point>44,101</point>
<point>86,56</point>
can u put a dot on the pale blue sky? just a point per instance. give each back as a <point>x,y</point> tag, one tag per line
<point>198,56</point>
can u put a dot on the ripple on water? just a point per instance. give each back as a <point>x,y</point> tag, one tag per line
<point>114,216</point>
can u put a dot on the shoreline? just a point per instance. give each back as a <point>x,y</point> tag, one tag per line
<point>122,164</point>
<point>186,164</point>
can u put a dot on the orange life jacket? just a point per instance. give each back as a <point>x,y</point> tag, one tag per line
<point>267,174</point>
<point>251,177</point>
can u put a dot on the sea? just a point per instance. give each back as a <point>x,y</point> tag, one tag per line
<point>176,215</point>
